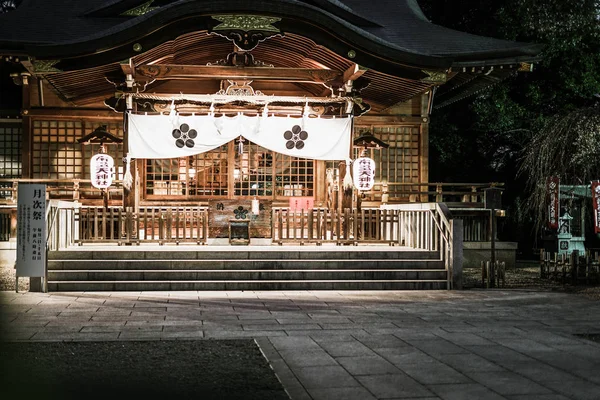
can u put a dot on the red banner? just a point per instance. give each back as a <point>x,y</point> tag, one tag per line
<point>553,206</point>
<point>596,203</point>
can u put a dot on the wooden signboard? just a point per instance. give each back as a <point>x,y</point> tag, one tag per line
<point>221,212</point>
<point>31,231</point>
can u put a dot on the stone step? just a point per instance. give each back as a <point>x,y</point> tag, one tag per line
<point>245,268</point>
<point>234,253</point>
<point>238,264</point>
<point>247,275</point>
<point>64,286</point>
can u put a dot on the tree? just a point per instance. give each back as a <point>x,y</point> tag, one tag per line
<point>504,120</point>
<point>568,147</point>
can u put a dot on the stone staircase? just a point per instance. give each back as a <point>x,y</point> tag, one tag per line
<point>143,268</point>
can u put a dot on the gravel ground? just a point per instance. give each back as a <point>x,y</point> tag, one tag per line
<point>526,275</point>
<point>7,272</point>
<point>198,369</point>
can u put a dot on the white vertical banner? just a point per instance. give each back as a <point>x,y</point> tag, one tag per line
<point>31,230</point>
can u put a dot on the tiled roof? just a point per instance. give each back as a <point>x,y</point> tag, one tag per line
<point>390,27</point>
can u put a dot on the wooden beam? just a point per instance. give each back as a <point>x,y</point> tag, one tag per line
<point>169,71</point>
<point>354,72</point>
<point>69,113</point>
<point>127,67</point>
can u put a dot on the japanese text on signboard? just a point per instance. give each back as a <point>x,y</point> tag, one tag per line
<point>552,184</point>
<point>31,230</point>
<point>301,203</point>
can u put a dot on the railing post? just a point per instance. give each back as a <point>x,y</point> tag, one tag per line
<point>438,193</point>
<point>456,256</point>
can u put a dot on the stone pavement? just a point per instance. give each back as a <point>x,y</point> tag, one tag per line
<point>495,344</point>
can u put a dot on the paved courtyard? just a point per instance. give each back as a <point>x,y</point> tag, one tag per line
<point>496,344</point>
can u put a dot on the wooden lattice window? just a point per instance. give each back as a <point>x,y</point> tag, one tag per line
<point>294,176</point>
<point>57,155</point>
<point>261,172</point>
<point>398,164</point>
<point>10,154</point>
<point>255,171</point>
<point>203,174</point>
<point>208,173</point>
<point>10,149</point>
<point>162,177</point>
<point>252,170</point>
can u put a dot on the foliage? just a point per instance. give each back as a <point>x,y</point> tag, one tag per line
<point>503,119</point>
<point>519,112</point>
<point>567,147</point>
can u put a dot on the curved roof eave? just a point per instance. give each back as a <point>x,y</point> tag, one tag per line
<point>302,15</point>
<point>112,43</point>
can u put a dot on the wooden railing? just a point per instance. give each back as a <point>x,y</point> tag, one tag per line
<point>320,225</point>
<point>430,226</point>
<point>149,224</point>
<point>426,226</point>
<point>81,189</point>
<point>477,226</point>
<point>60,224</point>
<point>423,192</point>
<point>62,189</point>
<point>70,223</point>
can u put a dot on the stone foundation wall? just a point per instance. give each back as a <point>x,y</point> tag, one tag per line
<point>475,252</point>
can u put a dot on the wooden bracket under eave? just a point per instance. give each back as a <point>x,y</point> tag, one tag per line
<point>127,67</point>
<point>525,67</point>
<point>354,72</point>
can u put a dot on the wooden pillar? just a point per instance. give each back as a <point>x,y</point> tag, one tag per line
<point>320,182</point>
<point>424,144</point>
<point>230,170</point>
<point>27,139</point>
<point>129,195</point>
<point>345,170</point>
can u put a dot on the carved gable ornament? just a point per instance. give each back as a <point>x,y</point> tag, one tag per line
<point>435,77</point>
<point>246,31</point>
<point>45,66</point>
<point>140,10</point>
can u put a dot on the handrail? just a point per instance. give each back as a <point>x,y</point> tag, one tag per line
<point>54,215</point>
<point>426,226</point>
<point>50,225</point>
<point>443,221</point>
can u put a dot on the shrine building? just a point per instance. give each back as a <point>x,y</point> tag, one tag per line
<point>221,123</point>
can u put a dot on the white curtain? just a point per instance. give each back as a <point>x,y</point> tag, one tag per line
<point>162,136</point>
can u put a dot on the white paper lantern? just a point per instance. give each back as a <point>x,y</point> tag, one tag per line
<point>101,167</point>
<point>364,173</point>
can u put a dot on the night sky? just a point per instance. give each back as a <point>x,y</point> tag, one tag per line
<point>10,94</point>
